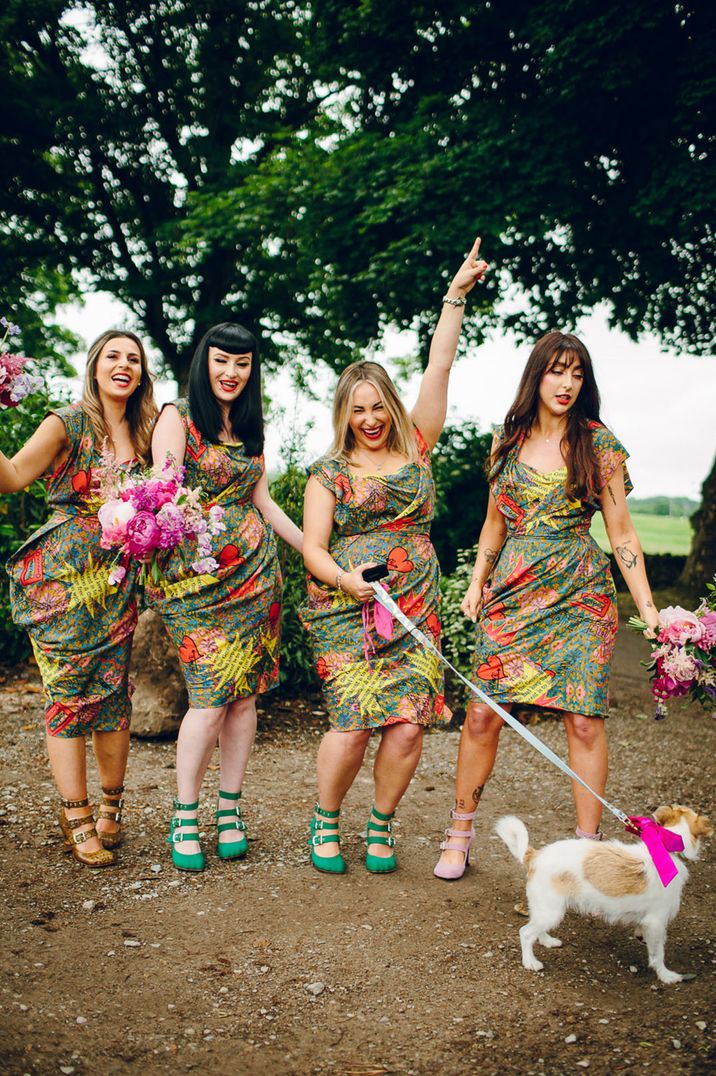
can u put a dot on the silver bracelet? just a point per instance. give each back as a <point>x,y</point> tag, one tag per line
<point>339,580</point>
<point>460,301</point>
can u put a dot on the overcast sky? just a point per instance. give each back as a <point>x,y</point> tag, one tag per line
<point>662,406</point>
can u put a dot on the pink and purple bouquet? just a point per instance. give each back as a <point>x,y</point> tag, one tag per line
<point>144,512</point>
<point>15,381</point>
<point>683,656</point>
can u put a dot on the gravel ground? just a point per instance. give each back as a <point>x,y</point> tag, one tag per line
<point>265,966</point>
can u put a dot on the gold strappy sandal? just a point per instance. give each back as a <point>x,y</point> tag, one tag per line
<point>110,807</point>
<point>102,857</point>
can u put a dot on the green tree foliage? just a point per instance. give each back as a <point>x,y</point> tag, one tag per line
<point>119,113</point>
<point>577,137</point>
<point>461,486</point>
<point>314,169</point>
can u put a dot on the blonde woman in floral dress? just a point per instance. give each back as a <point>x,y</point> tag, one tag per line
<point>225,620</point>
<point>370,501</point>
<point>542,594</point>
<point>79,622</point>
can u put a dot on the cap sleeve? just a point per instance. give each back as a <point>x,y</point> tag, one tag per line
<point>73,418</point>
<point>611,455</point>
<point>326,471</point>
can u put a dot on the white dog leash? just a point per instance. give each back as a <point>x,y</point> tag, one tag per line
<point>387,602</point>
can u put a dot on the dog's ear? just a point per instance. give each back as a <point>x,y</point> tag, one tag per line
<point>666,815</point>
<point>702,826</point>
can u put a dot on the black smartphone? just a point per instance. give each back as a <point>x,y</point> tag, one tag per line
<point>372,575</point>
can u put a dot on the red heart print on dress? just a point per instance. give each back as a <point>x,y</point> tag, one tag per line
<point>82,481</point>
<point>433,623</point>
<point>188,651</point>
<point>229,556</point>
<point>399,561</point>
<point>492,669</point>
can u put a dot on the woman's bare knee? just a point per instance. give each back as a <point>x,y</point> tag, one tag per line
<point>481,721</point>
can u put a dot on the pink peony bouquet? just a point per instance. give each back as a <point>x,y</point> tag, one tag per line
<point>15,381</point>
<point>143,513</point>
<point>683,656</point>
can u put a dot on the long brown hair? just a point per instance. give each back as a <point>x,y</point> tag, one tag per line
<point>577,442</point>
<point>401,435</point>
<point>141,409</point>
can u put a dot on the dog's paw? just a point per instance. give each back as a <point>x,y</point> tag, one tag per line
<point>669,977</point>
<point>549,941</point>
<point>532,963</point>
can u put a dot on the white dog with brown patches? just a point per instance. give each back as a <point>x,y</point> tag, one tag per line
<point>610,879</point>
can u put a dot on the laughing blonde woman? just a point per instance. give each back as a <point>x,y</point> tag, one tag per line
<point>370,501</point>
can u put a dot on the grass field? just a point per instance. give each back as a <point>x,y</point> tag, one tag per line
<point>657,534</point>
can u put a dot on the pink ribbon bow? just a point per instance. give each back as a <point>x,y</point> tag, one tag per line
<point>375,616</point>
<point>659,842</point>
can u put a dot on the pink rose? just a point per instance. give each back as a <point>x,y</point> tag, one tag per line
<point>679,626</point>
<point>708,623</point>
<point>142,534</point>
<point>114,517</point>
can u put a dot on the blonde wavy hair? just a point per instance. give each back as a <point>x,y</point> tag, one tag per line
<point>141,408</point>
<point>401,436</point>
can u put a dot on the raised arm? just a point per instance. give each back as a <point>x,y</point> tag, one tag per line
<point>168,439</point>
<point>48,446</point>
<point>627,548</point>
<point>318,508</point>
<point>431,407</point>
<point>283,525</point>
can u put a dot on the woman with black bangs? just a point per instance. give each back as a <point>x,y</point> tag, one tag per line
<point>224,622</point>
<point>542,595</point>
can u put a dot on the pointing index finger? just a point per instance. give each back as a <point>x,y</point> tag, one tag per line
<point>475,249</point>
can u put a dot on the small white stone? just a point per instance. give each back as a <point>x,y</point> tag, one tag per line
<point>583,1064</point>
<point>603,1020</point>
<point>88,906</point>
<point>67,1069</point>
<point>633,969</point>
<point>701,1025</point>
<point>111,952</point>
<point>570,1038</point>
<point>264,968</point>
<point>315,989</point>
<point>676,1043</point>
<point>135,885</point>
<point>132,943</point>
<point>81,1019</point>
<point>156,868</point>
<point>223,990</point>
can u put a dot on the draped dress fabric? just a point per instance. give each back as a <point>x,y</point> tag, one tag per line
<point>226,627</point>
<point>369,681</point>
<point>548,624</point>
<point>80,626</point>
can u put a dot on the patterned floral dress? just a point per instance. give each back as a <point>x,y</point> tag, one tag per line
<point>80,627</point>
<point>368,681</point>
<point>549,619</point>
<point>226,626</point>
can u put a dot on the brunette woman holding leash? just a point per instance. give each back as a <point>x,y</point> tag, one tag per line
<point>542,595</point>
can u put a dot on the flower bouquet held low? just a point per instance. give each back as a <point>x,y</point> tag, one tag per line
<point>683,656</point>
<point>144,513</point>
<point>15,381</point>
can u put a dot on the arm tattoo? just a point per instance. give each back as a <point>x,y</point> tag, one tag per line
<point>627,556</point>
<point>477,794</point>
<point>490,555</point>
<point>649,605</point>
<point>611,494</point>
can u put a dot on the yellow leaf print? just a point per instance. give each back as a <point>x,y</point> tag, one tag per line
<point>270,644</point>
<point>232,663</point>
<point>50,670</point>
<point>427,666</point>
<point>90,587</point>
<point>358,681</point>
<point>191,584</point>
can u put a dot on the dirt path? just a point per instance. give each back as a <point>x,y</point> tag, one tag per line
<point>266,966</point>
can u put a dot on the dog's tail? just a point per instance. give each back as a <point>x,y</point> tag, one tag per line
<point>513,832</point>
